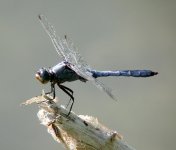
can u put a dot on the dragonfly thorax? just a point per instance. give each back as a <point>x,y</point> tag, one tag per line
<point>43,75</point>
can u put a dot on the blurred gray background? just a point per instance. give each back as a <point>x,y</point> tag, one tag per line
<point>114,34</point>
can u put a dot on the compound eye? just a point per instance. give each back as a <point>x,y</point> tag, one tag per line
<point>38,72</point>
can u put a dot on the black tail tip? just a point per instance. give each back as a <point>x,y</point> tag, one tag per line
<point>154,73</point>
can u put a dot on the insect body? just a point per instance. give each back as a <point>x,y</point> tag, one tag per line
<point>73,67</point>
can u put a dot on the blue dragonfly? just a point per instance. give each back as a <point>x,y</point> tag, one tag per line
<point>73,67</point>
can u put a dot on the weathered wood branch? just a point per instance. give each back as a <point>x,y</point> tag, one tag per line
<point>76,132</point>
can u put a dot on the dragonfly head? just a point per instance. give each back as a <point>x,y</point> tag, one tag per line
<point>43,75</point>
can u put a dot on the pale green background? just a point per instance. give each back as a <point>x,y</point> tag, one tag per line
<point>110,34</point>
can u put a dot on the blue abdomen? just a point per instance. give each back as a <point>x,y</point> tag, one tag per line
<point>126,73</point>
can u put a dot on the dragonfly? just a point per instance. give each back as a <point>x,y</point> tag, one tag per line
<point>73,67</point>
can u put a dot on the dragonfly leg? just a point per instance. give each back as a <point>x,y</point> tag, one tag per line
<point>52,90</point>
<point>69,92</point>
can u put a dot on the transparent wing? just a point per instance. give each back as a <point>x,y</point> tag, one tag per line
<point>52,34</point>
<point>82,68</point>
<point>68,52</point>
<point>104,88</point>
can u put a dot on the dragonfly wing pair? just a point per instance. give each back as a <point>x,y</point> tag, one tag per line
<point>68,52</point>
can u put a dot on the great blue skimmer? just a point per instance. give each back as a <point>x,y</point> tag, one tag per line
<point>73,67</point>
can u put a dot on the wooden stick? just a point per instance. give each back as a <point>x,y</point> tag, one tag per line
<point>76,132</point>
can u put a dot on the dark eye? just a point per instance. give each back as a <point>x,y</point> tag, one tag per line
<point>38,72</point>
